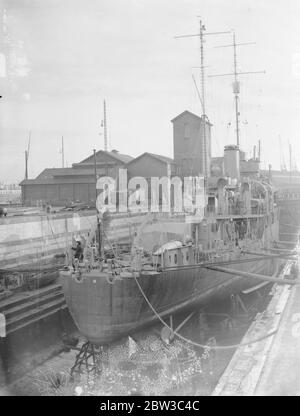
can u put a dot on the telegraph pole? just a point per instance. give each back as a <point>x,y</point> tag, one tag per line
<point>202,33</point>
<point>236,83</point>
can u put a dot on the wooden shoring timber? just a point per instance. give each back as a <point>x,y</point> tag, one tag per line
<point>37,269</point>
<point>290,225</point>
<point>297,234</point>
<point>286,242</point>
<point>287,250</point>
<point>225,262</point>
<point>268,256</point>
<point>254,275</point>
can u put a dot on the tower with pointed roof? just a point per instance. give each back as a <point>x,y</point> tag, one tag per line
<point>188,143</point>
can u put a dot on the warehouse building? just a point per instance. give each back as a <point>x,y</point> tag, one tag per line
<point>61,186</point>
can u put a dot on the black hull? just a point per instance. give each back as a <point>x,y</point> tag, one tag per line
<point>105,312</point>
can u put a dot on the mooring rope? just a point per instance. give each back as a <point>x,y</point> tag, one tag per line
<point>196,344</point>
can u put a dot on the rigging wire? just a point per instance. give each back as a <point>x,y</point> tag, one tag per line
<point>196,344</point>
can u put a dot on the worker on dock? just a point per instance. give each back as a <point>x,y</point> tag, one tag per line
<point>3,212</point>
<point>78,251</point>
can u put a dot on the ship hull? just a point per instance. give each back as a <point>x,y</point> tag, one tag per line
<point>104,312</point>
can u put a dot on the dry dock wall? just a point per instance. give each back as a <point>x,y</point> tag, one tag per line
<point>26,239</point>
<point>32,238</point>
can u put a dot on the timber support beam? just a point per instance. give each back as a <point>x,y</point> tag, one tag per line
<point>254,275</point>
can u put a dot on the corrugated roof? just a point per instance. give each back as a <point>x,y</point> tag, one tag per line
<point>55,172</point>
<point>76,172</point>
<point>57,181</point>
<point>27,182</point>
<point>114,154</point>
<point>50,172</point>
<point>50,175</point>
<point>124,158</point>
<point>163,159</point>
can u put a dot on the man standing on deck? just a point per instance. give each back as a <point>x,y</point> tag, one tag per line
<point>3,212</point>
<point>78,251</point>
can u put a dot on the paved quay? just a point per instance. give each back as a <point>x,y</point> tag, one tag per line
<point>271,366</point>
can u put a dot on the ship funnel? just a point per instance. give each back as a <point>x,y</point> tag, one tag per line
<point>232,162</point>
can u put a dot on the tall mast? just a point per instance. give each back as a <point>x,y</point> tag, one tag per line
<point>105,125</point>
<point>236,91</point>
<point>62,152</point>
<point>202,28</point>
<point>98,220</point>
<point>204,117</point>
<point>282,159</point>
<point>27,156</point>
<point>236,83</point>
<point>26,164</point>
<point>290,153</point>
<point>95,173</point>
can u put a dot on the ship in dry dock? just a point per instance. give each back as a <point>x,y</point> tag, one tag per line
<point>109,298</point>
<point>183,260</point>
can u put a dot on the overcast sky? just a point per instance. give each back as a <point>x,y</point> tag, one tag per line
<point>64,57</point>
